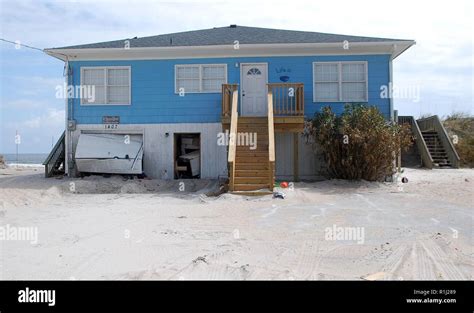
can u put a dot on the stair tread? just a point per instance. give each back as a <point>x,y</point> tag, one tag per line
<point>252,176</point>
<point>249,187</point>
<point>251,173</point>
<point>261,192</point>
<point>256,157</point>
<point>250,180</point>
<point>252,153</point>
<point>251,163</point>
<point>249,166</point>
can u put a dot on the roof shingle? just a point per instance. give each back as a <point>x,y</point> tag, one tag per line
<point>227,35</point>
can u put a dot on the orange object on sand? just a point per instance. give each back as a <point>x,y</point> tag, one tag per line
<point>284,184</point>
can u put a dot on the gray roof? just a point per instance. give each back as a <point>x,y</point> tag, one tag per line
<point>227,35</point>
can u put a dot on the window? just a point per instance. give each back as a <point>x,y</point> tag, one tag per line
<point>339,81</point>
<point>254,71</point>
<point>200,78</point>
<point>111,84</point>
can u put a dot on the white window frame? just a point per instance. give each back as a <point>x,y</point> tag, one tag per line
<point>176,91</point>
<point>105,68</point>
<point>340,82</point>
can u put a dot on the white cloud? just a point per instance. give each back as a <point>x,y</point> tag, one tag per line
<point>53,118</point>
<point>36,132</point>
<point>32,123</point>
<point>20,104</point>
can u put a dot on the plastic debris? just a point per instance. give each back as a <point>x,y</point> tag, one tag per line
<point>278,194</point>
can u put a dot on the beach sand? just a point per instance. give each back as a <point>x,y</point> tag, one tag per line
<point>113,228</point>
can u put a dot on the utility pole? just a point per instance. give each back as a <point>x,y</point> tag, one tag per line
<point>17,143</point>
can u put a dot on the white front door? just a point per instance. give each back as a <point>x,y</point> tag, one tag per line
<point>254,89</point>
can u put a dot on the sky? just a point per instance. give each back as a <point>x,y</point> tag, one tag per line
<point>434,76</point>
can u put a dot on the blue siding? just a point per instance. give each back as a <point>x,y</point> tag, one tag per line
<point>154,100</point>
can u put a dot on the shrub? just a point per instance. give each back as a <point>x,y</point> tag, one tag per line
<point>360,143</point>
<point>462,125</point>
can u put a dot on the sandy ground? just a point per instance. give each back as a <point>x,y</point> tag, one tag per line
<point>111,228</point>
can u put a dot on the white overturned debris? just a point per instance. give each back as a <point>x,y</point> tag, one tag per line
<point>109,153</point>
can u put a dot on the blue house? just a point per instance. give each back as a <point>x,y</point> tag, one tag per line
<point>228,101</point>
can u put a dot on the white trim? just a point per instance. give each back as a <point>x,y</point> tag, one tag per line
<point>241,77</point>
<point>394,48</point>
<point>390,85</point>
<point>66,122</point>
<point>82,68</point>
<point>340,82</point>
<point>200,76</point>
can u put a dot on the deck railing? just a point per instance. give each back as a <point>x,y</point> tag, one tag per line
<point>227,94</point>
<point>288,98</point>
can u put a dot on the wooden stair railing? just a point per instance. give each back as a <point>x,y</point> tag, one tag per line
<point>227,94</point>
<point>426,158</point>
<point>55,158</point>
<point>271,142</point>
<point>233,138</point>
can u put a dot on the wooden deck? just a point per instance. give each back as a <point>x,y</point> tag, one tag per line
<point>288,106</point>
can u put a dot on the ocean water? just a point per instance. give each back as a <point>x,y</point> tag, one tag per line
<point>25,158</point>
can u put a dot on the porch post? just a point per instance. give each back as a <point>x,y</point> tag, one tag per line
<point>295,157</point>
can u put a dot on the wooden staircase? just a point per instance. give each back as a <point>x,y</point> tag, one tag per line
<point>436,149</point>
<point>252,170</point>
<point>55,162</point>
